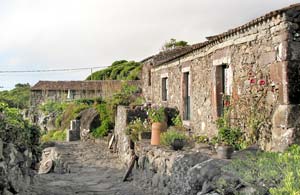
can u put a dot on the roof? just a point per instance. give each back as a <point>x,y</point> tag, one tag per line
<point>76,85</point>
<point>162,58</point>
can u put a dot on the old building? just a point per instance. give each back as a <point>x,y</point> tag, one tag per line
<point>69,90</point>
<point>252,70</point>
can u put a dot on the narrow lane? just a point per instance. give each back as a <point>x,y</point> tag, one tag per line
<point>93,170</point>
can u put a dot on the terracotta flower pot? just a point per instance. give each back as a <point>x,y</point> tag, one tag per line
<point>155,133</point>
<point>224,152</point>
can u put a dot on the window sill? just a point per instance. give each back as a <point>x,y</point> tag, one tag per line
<point>186,123</point>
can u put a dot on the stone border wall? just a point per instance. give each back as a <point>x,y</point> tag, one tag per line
<point>123,117</point>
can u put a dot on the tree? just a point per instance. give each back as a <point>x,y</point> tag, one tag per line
<point>17,97</point>
<point>173,43</point>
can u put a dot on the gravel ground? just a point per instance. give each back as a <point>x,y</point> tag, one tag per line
<point>93,170</point>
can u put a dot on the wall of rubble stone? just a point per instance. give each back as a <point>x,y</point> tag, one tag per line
<point>124,116</point>
<point>15,172</point>
<point>169,172</point>
<point>260,59</point>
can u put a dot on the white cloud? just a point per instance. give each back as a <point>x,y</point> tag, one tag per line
<point>39,34</point>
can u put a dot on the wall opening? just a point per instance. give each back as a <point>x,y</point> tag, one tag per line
<point>149,77</point>
<point>186,96</point>
<point>223,87</point>
<point>164,92</point>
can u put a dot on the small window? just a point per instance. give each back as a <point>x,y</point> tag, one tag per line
<point>71,94</point>
<point>165,89</point>
<point>149,78</point>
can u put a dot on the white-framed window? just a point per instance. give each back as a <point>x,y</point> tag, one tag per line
<point>164,88</point>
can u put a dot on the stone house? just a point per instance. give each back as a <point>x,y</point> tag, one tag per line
<point>251,70</point>
<point>70,90</point>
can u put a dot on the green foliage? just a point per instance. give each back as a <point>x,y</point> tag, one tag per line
<point>168,137</point>
<point>106,118</point>
<point>277,172</point>
<point>102,130</point>
<point>53,107</point>
<point>136,127</point>
<point>128,94</point>
<point>157,114</point>
<point>107,109</point>
<point>64,112</point>
<point>176,120</point>
<point>13,128</point>
<point>173,43</point>
<point>71,112</point>
<point>119,70</point>
<point>201,139</point>
<point>17,97</point>
<point>54,135</point>
<point>230,136</point>
<point>89,101</point>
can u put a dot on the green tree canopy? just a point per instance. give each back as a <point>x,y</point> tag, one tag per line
<point>17,97</point>
<point>173,43</point>
<point>119,70</point>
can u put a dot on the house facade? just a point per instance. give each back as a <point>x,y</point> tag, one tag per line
<point>59,91</point>
<point>251,71</point>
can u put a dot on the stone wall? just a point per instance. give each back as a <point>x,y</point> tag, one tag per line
<point>260,61</point>
<point>168,172</point>
<point>15,172</point>
<point>123,117</point>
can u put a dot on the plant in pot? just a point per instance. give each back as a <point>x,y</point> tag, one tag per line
<point>174,139</point>
<point>157,117</point>
<point>138,129</point>
<point>228,140</point>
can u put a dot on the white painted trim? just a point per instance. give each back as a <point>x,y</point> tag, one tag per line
<point>186,123</point>
<point>186,69</point>
<point>164,75</point>
<point>220,61</point>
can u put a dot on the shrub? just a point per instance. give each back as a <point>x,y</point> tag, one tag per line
<point>136,127</point>
<point>119,70</point>
<point>277,173</point>
<point>176,120</point>
<point>201,139</point>
<point>55,135</point>
<point>157,114</point>
<point>229,136</point>
<point>102,130</point>
<point>168,137</point>
<point>13,128</point>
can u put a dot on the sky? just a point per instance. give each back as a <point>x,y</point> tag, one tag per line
<point>59,34</point>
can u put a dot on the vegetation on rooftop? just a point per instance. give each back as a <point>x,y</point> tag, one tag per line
<point>173,43</point>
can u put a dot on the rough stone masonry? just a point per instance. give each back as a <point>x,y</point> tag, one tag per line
<point>254,69</point>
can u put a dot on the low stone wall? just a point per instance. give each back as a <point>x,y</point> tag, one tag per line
<point>124,116</point>
<point>188,172</point>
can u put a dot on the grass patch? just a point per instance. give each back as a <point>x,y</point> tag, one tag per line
<point>55,135</point>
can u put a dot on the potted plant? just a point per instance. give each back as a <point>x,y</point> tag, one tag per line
<point>138,129</point>
<point>174,139</point>
<point>157,117</point>
<point>227,141</point>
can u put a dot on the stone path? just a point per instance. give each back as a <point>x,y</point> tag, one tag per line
<point>93,170</point>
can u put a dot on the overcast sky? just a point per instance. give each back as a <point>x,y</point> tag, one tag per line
<point>55,34</point>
